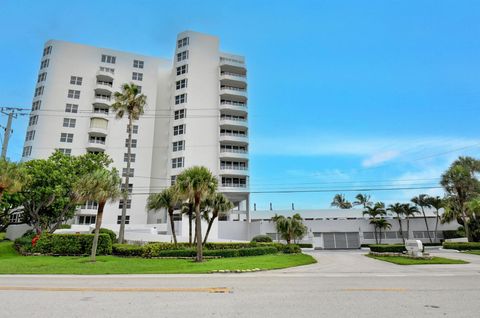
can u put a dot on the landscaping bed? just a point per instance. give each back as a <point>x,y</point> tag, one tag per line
<point>470,246</point>
<point>406,260</point>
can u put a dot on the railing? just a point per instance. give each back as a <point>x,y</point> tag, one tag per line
<point>232,118</point>
<point>228,59</point>
<point>233,150</point>
<point>104,97</point>
<point>233,103</point>
<point>107,69</point>
<point>233,74</point>
<point>100,111</point>
<point>104,83</point>
<point>96,141</point>
<point>233,88</point>
<point>226,167</point>
<point>234,185</point>
<point>233,134</point>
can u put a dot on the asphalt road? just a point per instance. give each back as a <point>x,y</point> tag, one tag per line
<point>342,284</point>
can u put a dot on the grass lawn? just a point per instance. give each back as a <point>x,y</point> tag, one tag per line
<point>12,263</point>
<point>401,260</point>
<point>2,236</point>
<point>473,252</point>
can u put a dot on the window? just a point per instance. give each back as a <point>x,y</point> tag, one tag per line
<point>100,110</point>
<point>69,122</point>
<point>71,108</point>
<point>134,130</point>
<point>33,120</point>
<point>42,77</point>
<point>44,64</point>
<point>130,187</point>
<point>73,94</point>
<point>173,179</point>
<point>132,157</point>
<point>134,143</point>
<point>108,59</point>
<point>181,83</point>
<point>183,42</point>
<point>180,99</point>
<point>107,69</point>
<point>86,219</point>
<point>178,130</point>
<point>97,140</point>
<point>182,69</point>
<point>137,76</point>
<point>65,151</point>
<point>182,56</point>
<point>129,204</point>
<point>177,162</point>
<point>178,145</point>
<point>76,80</point>
<point>47,50</point>
<point>30,135</point>
<point>179,114</point>
<point>137,64</point>
<point>127,218</point>
<point>89,205</point>
<point>36,105</point>
<point>27,151</point>
<point>139,89</point>
<point>124,172</point>
<point>38,91</point>
<point>64,137</point>
<point>234,182</point>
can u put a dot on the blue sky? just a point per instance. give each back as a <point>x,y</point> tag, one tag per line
<point>343,94</point>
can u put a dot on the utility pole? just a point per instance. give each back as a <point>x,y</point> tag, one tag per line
<point>11,112</point>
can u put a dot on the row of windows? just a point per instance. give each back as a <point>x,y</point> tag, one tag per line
<point>180,99</point>
<point>47,50</point>
<point>69,122</point>
<point>182,69</point>
<point>73,94</point>
<point>183,42</point>
<point>44,64</point>
<point>89,205</point>
<point>66,137</point>
<point>76,80</point>
<point>30,135</point>
<point>137,64</point>
<point>127,218</point>
<point>108,59</point>
<point>179,130</point>
<point>39,91</point>
<point>65,151</point>
<point>71,108</point>
<point>27,151</point>
<point>179,114</point>
<point>86,219</point>
<point>178,145</point>
<point>124,172</point>
<point>182,56</point>
<point>137,76</point>
<point>178,162</point>
<point>132,157</point>
<point>33,120</point>
<point>36,105</point>
<point>42,77</point>
<point>134,129</point>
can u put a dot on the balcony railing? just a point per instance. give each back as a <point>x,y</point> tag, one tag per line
<point>234,185</point>
<point>234,150</point>
<point>233,134</point>
<point>228,59</point>
<point>233,103</point>
<point>233,118</point>
<point>100,111</point>
<point>226,167</point>
<point>233,74</point>
<point>233,88</point>
<point>104,83</point>
<point>96,141</point>
<point>104,97</point>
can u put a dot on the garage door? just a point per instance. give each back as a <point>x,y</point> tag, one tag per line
<point>341,240</point>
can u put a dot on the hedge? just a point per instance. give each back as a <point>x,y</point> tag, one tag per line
<point>241,252</point>
<point>112,234</point>
<point>65,244</point>
<point>291,249</point>
<point>262,238</point>
<point>462,246</point>
<point>305,245</point>
<point>127,250</point>
<point>387,248</point>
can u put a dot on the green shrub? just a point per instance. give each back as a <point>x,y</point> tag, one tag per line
<point>291,249</point>
<point>65,226</point>
<point>305,245</point>
<point>387,248</point>
<point>262,238</point>
<point>30,233</point>
<point>255,251</point>
<point>72,244</point>
<point>228,246</point>
<point>112,234</point>
<point>23,244</point>
<point>451,234</point>
<point>154,250</point>
<point>177,253</point>
<point>127,250</point>
<point>462,246</point>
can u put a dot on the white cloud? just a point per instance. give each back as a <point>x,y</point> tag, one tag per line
<point>379,158</point>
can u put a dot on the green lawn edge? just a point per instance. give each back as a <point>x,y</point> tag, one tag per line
<point>13,263</point>
<point>401,260</point>
<point>472,252</point>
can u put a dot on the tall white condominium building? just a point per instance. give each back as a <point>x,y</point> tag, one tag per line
<point>196,114</point>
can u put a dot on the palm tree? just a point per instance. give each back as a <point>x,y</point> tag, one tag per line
<point>167,199</point>
<point>423,202</point>
<point>340,202</point>
<point>290,228</point>
<point>12,177</point>
<point>188,209</point>
<point>218,204</point>
<point>362,199</point>
<point>398,209</point>
<point>196,184</point>
<point>409,211</point>
<point>437,203</point>
<point>129,101</point>
<point>382,224</point>
<point>378,209</point>
<point>101,186</point>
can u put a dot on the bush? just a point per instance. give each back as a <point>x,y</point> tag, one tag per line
<point>291,249</point>
<point>155,250</point>
<point>255,251</point>
<point>262,238</point>
<point>127,250</point>
<point>451,234</point>
<point>65,226</point>
<point>112,234</point>
<point>65,244</point>
<point>387,248</point>
<point>305,245</point>
<point>462,246</point>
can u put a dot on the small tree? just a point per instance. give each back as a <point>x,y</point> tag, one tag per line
<point>101,186</point>
<point>375,211</point>
<point>399,210</point>
<point>409,211</point>
<point>169,200</point>
<point>339,201</point>
<point>437,203</point>
<point>196,184</point>
<point>381,224</point>
<point>290,228</point>
<point>423,201</point>
<point>217,204</point>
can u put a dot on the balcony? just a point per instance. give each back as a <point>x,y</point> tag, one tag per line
<point>233,122</point>
<point>96,145</point>
<point>234,137</point>
<point>232,64</point>
<point>239,107</point>
<point>233,154</point>
<point>102,101</point>
<point>105,75</point>
<point>234,91</point>
<point>233,170</point>
<point>233,79</point>
<point>104,88</point>
<point>233,187</point>
<point>98,126</point>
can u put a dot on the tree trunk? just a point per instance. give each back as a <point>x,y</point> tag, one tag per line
<point>98,224</point>
<point>208,229</point>
<point>190,227</point>
<point>436,228</point>
<point>408,227</point>
<point>121,232</point>
<point>426,225</point>
<point>172,225</point>
<point>401,230</point>
<point>375,233</point>
<point>465,224</point>
<point>380,235</point>
<point>198,230</point>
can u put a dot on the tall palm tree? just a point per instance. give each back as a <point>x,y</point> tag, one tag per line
<point>375,211</point>
<point>101,186</point>
<point>437,203</point>
<point>167,199</point>
<point>409,211</point>
<point>290,228</point>
<point>398,209</point>
<point>382,224</point>
<point>218,203</point>
<point>12,177</point>
<point>196,184</point>
<point>422,201</point>
<point>362,199</point>
<point>129,101</point>
<point>340,202</point>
